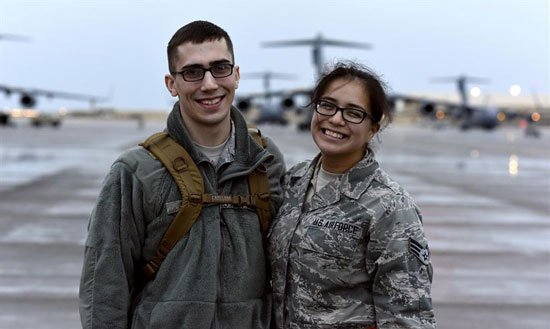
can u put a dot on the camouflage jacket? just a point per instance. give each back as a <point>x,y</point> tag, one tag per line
<point>355,257</point>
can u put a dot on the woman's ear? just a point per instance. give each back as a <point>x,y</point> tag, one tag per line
<point>375,128</point>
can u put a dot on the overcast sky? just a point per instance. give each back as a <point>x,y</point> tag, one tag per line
<point>118,47</point>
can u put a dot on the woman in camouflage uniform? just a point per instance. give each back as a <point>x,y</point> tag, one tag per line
<point>347,248</point>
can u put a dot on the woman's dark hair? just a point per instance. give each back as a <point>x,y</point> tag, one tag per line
<point>372,84</point>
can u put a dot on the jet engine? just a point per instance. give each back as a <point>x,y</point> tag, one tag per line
<point>27,100</point>
<point>427,109</point>
<point>243,104</point>
<point>287,103</point>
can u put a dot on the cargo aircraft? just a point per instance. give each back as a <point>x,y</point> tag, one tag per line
<point>28,99</point>
<point>463,114</point>
<point>267,110</point>
<point>287,98</point>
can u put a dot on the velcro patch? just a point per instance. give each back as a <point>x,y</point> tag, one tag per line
<point>173,207</point>
<point>421,252</point>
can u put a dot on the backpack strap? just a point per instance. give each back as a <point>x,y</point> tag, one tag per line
<point>190,183</point>
<point>258,184</point>
<point>191,186</point>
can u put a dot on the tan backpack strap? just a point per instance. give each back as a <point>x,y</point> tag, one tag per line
<point>190,183</point>
<point>258,183</point>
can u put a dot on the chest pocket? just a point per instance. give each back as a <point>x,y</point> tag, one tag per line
<point>333,235</point>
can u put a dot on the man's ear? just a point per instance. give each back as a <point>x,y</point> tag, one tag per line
<point>237,76</point>
<point>170,82</point>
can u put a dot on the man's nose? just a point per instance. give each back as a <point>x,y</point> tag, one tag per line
<point>209,82</point>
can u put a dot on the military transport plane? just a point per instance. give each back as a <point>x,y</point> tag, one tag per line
<point>28,100</point>
<point>268,112</point>
<point>28,97</point>
<point>288,98</point>
<point>317,45</point>
<point>463,114</point>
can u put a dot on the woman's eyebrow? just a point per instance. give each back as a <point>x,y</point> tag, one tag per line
<point>349,105</point>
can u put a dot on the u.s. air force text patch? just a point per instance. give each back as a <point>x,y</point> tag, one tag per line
<point>354,230</point>
<point>421,252</point>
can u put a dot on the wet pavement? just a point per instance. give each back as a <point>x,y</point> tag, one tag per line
<point>484,197</point>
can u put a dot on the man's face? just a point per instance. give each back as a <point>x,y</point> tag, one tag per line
<point>204,103</point>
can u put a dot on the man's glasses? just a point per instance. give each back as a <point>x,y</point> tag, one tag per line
<point>349,114</point>
<point>193,74</point>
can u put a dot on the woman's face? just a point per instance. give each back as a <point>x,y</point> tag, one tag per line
<point>338,139</point>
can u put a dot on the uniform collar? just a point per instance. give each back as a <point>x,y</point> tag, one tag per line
<point>352,184</point>
<point>356,181</point>
<point>246,152</point>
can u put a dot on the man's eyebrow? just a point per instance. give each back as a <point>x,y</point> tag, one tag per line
<point>220,61</point>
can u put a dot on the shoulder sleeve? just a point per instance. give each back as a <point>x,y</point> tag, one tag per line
<point>113,247</point>
<point>276,169</point>
<point>398,261</point>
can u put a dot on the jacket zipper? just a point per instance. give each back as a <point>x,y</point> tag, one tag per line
<point>217,324</point>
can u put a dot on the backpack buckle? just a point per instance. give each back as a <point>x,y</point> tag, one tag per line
<point>195,198</point>
<point>245,200</point>
<point>263,196</point>
<point>151,268</point>
<point>179,164</point>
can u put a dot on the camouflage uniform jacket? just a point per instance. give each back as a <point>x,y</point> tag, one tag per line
<point>215,277</point>
<point>355,257</point>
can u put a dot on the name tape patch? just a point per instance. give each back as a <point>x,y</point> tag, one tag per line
<point>351,229</point>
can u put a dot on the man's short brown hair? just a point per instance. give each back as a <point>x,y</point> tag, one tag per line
<point>196,32</point>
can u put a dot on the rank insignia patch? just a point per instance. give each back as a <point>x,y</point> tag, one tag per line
<point>421,252</point>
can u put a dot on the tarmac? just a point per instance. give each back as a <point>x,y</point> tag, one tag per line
<point>483,195</point>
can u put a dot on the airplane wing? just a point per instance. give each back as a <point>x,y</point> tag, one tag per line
<point>290,43</point>
<point>261,95</point>
<point>289,93</point>
<point>267,75</point>
<point>49,93</point>
<point>347,44</point>
<point>13,37</point>
<point>307,42</point>
<point>28,95</point>
<point>454,79</point>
